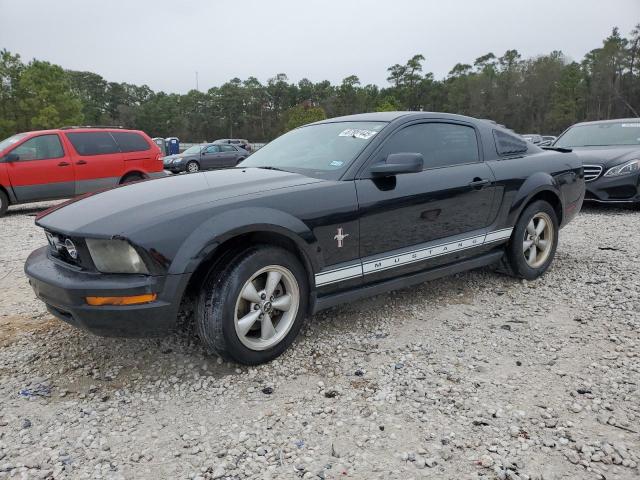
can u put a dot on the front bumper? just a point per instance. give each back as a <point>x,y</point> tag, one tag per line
<point>64,289</point>
<point>622,189</point>
<point>175,167</point>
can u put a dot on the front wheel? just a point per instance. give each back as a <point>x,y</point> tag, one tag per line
<point>533,242</point>
<point>253,310</point>
<point>192,166</point>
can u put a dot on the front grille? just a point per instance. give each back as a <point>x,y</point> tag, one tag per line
<point>592,172</point>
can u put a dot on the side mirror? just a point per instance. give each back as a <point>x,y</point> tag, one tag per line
<point>397,163</point>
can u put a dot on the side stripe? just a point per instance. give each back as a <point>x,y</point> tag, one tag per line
<point>338,275</point>
<point>391,261</point>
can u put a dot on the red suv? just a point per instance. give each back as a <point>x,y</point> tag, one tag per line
<point>62,163</point>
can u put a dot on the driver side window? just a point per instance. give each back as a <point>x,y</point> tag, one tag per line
<point>39,148</point>
<point>441,144</point>
<point>212,149</point>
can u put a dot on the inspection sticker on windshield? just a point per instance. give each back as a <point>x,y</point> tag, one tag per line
<point>631,125</point>
<point>357,133</point>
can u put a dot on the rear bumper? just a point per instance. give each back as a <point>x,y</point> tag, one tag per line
<point>622,189</point>
<point>64,290</point>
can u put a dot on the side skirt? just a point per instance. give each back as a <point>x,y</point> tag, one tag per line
<point>329,301</point>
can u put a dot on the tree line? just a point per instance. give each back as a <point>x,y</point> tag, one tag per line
<point>544,94</point>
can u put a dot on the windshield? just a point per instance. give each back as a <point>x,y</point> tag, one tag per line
<point>601,134</point>
<point>325,150</point>
<point>192,150</point>
<point>7,142</point>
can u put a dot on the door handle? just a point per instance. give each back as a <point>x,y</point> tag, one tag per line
<point>479,183</point>
<point>64,164</point>
<point>81,162</point>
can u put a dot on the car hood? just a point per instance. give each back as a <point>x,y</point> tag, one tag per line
<point>607,156</point>
<point>128,207</point>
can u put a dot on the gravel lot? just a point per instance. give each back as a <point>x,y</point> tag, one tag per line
<point>473,376</point>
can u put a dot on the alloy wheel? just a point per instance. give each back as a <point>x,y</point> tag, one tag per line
<point>267,307</point>
<point>538,240</point>
<point>192,167</point>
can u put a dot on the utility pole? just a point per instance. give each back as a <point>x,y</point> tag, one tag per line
<point>197,88</point>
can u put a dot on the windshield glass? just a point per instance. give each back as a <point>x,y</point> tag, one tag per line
<point>7,142</point>
<point>325,150</point>
<point>601,134</point>
<point>191,150</point>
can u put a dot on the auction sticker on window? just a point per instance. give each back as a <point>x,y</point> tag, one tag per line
<point>357,133</point>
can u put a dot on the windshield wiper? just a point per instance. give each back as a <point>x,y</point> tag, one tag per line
<point>274,168</point>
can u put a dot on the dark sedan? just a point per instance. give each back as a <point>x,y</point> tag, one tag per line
<point>610,154</point>
<point>207,156</point>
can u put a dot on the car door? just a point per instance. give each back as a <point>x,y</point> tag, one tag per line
<point>136,151</point>
<point>228,155</point>
<point>211,157</point>
<point>97,159</point>
<point>449,201</point>
<point>38,169</point>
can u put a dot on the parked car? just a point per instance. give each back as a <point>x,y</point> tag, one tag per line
<point>62,163</point>
<point>239,142</point>
<point>533,138</point>
<point>205,157</point>
<point>327,213</point>
<point>610,153</point>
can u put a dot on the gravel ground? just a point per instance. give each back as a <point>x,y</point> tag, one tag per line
<point>473,376</point>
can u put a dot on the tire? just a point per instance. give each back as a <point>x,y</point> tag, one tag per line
<point>192,167</point>
<point>226,299</point>
<point>528,236</point>
<point>4,203</point>
<point>132,177</point>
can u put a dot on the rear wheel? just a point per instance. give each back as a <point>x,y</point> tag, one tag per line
<point>252,310</point>
<point>4,203</point>
<point>192,166</point>
<point>533,242</point>
<point>132,177</point>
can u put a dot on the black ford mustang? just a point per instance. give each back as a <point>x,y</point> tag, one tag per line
<point>325,214</point>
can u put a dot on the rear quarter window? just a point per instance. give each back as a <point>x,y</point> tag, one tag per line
<point>507,144</point>
<point>93,143</point>
<point>131,142</point>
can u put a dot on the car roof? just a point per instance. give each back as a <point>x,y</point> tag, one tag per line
<point>391,116</point>
<point>612,120</point>
<point>80,129</point>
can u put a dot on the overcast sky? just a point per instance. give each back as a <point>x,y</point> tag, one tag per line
<point>162,43</point>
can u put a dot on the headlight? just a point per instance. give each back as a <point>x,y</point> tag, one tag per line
<point>624,169</point>
<point>115,256</point>
<point>177,160</point>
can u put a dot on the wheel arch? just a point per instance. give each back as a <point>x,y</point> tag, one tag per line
<point>9,193</point>
<point>225,235</point>
<point>233,246</point>
<point>132,172</point>
<point>540,186</point>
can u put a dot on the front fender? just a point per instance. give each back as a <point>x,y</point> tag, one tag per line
<point>221,227</point>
